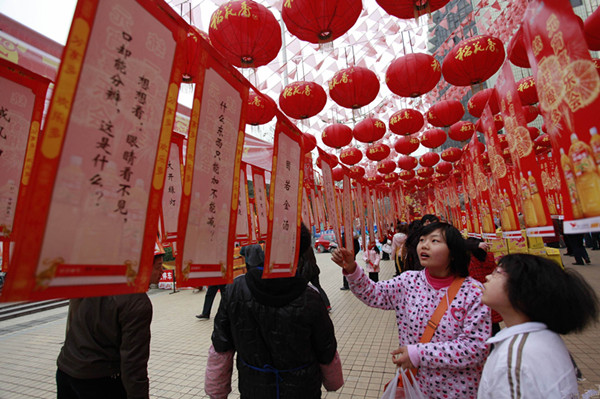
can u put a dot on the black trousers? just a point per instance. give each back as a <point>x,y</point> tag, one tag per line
<point>68,387</point>
<point>211,292</point>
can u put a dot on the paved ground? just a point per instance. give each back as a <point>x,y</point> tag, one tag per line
<point>29,345</point>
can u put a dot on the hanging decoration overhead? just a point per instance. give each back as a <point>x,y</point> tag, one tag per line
<point>406,121</point>
<point>527,92</point>
<point>357,172</point>
<point>385,167</point>
<point>591,29</point>
<point>406,174</point>
<point>451,154</point>
<point>429,159</point>
<point>425,171</point>
<point>375,179</point>
<point>245,33</point>
<point>480,99</point>
<point>337,135</point>
<point>445,113</point>
<point>517,54</point>
<point>369,130</point>
<point>534,132</point>
<point>443,167</point>
<point>407,162</point>
<point>531,112</point>
<point>391,177</point>
<point>413,75</point>
<point>317,21</point>
<point>406,145</point>
<point>301,100</point>
<point>377,152</point>
<point>351,156</point>
<point>462,130</point>
<point>407,9</point>
<point>192,53</point>
<point>433,138</point>
<point>354,87</point>
<point>261,109</point>
<point>310,142</point>
<point>338,174</point>
<point>473,60</point>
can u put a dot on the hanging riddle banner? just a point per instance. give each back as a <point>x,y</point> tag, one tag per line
<point>260,201</point>
<point>243,224</point>
<point>171,200</point>
<point>347,209</point>
<point>330,197</point>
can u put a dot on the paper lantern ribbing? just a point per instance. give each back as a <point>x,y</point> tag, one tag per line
<point>473,60</point>
<point>517,54</point>
<point>406,121</point>
<point>350,156</point>
<point>337,135</point>
<point>261,109</point>
<point>245,33</point>
<point>407,162</point>
<point>425,171</point>
<point>413,75</point>
<point>377,151</point>
<point>310,142</point>
<point>429,159</point>
<point>301,100</point>
<point>406,145</point>
<point>445,113</point>
<point>369,130</point>
<point>385,167</point>
<point>527,92</point>
<point>591,29</point>
<point>406,174</point>
<point>407,9</point>
<point>433,138</point>
<point>337,174</point>
<point>318,21</point>
<point>482,98</point>
<point>443,167</point>
<point>390,177</point>
<point>357,172</point>
<point>354,87</point>
<point>462,130</point>
<point>451,154</point>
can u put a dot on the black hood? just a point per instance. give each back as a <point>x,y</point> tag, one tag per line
<point>275,292</point>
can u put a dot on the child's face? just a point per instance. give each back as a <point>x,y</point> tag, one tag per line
<point>495,294</point>
<point>433,251</point>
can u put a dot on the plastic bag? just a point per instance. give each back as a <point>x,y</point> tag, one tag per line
<point>390,391</point>
<point>411,386</point>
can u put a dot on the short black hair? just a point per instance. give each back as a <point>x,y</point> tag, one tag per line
<point>459,257</point>
<point>430,218</point>
<point>546,293</point>
<point>305,239</point>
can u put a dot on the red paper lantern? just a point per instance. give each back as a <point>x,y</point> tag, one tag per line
<point>337,173</point>
<point>506,155</point>
<point>485,158</point>
<point>193,51</point>
<point>429,159</point>
<point>534,132</point>
<point>591,29</point>
<point>531,112</point>
<point>407,9</point>
<point>385,167</point>
<point>337,135</point>
<point>473,60</point>
<point>443,167</point>
<point>317,21</point>
<point>516,50</point>
<point>438,177</point>
<point>413,74</point>
<point>451,154</point>
<point>310,142</point>
<point>462,130</point>
<point>503,141</point>
<point>422,182</point>
<point>350,156</point>
<point>377,151</point>
<point>390,177</point>
<point>261,109</point>
<point>407,162</point>
<point>369,130</point>
<point>480,99</point>
<point>354,87</point>
<point>498,121</point>
<point>357,172</point>
<point>406,121</point>
<point>334,161</point>
<point>433,138</point>
<point>406,145</point>
<point>445,113</point>
<point>373,180</point>
<point>527,91</point>
<point>425,171</point>
<point>245,33</point>
<point>406,174</point>
<point>301,100</point>
<point>543,141</point>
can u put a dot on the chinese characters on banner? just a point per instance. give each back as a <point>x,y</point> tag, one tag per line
<point>330,197</point>
<point>260,201</point>
<point>347,209</point>
<point>243,224</point>
<point>568,87</point>
<point>100,168</point>
<point>283,240</point>
<point>208,217</point>
<point>361,212</point>
<point>171,200</point>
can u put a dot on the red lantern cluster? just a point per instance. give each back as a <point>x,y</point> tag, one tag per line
<point>413,75</point>
<point>406,121</point>
<point>451,154</point>
<point>254,23</point>
<point>385,167</point>
<point>462,130</point>
<point>407,162</point>
<point>445,113</point>
<point>353,87</point>
<point>482,98</point>
<point>429,159</point>
<point>527,92</point>
<point>473,60</point>
<point>433,138</point>
<point>350,156</point>
<point>301,100</point>
<point>369,130</point>
<point>377,151</point>
<point>406,145</point>
<point>261,109</point>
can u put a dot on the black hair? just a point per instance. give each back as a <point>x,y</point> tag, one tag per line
<point>459,257</point>
<point>546,293</point>
<point>305,239</point>
<point>473,247</point>
<point>430,218</point>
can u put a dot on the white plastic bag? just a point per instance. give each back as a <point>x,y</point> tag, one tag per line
<point>411,388</point>
<point>390,391</point>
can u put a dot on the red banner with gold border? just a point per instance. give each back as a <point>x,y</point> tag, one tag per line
<point>330,195</point>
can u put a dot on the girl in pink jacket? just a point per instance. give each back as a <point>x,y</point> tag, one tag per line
<point>372,257</point>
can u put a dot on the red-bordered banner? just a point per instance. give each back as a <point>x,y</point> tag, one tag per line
<point>171,200</point>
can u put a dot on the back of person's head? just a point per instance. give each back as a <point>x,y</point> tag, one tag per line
<point>254,256</point>
<point>402,228</point>
<point>473,247</point>
<point>459,257</point>
<point>429,218</point>
<point>414,226</point>
<point>305,239</point>
<point>546,293</point>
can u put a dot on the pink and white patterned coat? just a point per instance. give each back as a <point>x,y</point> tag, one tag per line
<point>450,365</point>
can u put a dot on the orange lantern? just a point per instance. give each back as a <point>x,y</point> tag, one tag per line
<point>482,98</point>
<point>433,138</point>
<point>527,91</point>
<point>407,162</point>
<point>413,75</point>
<point>353,87</point>
<point>350,156</point>
<point>357,172</point>
<point>337,135</point>
<point>406,174</point>
<point>385,167</point>
<point>310,142</point>
<point>369,130</point>
<point>473,60</point>
<point>301,100</point>
<point>406,121</point>
<point>451,154</point>
<point>261,109</point>
<point>445,113</point>
<point>429,159</point>
<point>462,130</point>
<point>377,151</point>
<point>406,145</point>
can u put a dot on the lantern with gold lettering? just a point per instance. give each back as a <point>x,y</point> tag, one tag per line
<point>390,177</point>
<point>534,132</point>
<point>422,182</point>
<point>425,171</point>
<point>350,156</point>
<point>245,33</point>
<point>406,121</point>
<point>407,162</point>
<point>527,92</point>
<point>443,167</point>
<point>407,9</point>
<point>531,112</point>
<point>357,172</point>
<point>374,180</point>
<point>433,138</point>
<point>334,161</point>
<point>377,151</point>
<point>261,109</point>
<point>369,130</point>
<point>354,87</point>
<point>445,113</point>
<point>473,60</point>
<point>192,53</point>
<point>406,145</point>
<point>301,100</point>
<point>429,159</point>
<point>385,167</point>
<point>406,174</point>
<point>503,141</point>
<point>451,154</point>
<point>337,135</point>
<point>482,98</point>
<point>413,74</point>
<point>462,130</point>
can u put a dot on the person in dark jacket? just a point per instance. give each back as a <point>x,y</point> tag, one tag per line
<point>282,333</point>
<point>310,271</point>
<point>106,349</point>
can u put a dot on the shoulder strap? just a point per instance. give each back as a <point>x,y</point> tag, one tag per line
<point>440,310</point>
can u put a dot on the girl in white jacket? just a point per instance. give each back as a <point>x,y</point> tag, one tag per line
<point>537,300</point>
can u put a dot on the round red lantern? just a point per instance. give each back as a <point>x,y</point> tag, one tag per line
<point>407,9</point>
<point>531,112</point>
<point>373,180</point>
<point>369,130</point>
<point>516,50</point>
<point>337,174</point>
<point>425,171</point>
<point>506,155</point>
<point>498,121</point>
<point>433,138</point>
<point>591,29</point>
<point>192,54</point>
<point>473,60</point>
<point>407,162</point>
<point>350,156</point>
<point>462,130</point>
<point>357,172</point>
<point>337,135</point>
<point>451,154</point>
<point>445,113</point>
<point>334,161</point>
<point>261,109</point>
<point>390,177</point>
<point>318,21</point>
<point>310,142</point>
<point>443,167</point>
<point>406,174</point>
<point>480,99</point>
<point>385,167</point>
<point>527,91</point>
<point>503,141</point>
<point>301,100</point>
<point>543,141</point>
<point>406,145</point>
<point>413,74</point>
<point>245,33</point>
<point>422,182</point>
<point>406,121</point>
<point>353,87</point>
<point>429,159</point>
<point>377,151</point>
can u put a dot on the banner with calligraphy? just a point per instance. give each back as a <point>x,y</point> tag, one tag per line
<point>470,196</point>
<point>329,192</point>
<point>99,170</point>
<point>535,210</point>
<point>171,200</point>
<point>243,224</point>
<point>360,204</point>
<point>309,174</point>
<point>320,208</point>
<point>260,201</point>
<point>347,209</point>
<point>551,182</point>
<point>21,108</point>
<point>305,213</point>
<point>285,203</point>
<point>370,215</point>
<point>209,209</point>
<point>568,87</point>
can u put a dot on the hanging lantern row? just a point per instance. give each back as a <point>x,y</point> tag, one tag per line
<point>461,130</point>
<point>445,113</point>
<point>473,60</point>
<point>433,138</point>
<point>451,154</point>
<point>385,167</point>
<point>337,135</point>
<point>354,87</point>
<point>429,159</point>
<point>407,162</point>
<point>301,100</point>
<point>406,145</point>
<point>377,151</point>
<point>406,121</point>
<point>351,156</point>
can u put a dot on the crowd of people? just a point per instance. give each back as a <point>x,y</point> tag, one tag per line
<point>449,296</point>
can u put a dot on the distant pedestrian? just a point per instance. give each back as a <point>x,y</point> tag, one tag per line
<point>209,298</point>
